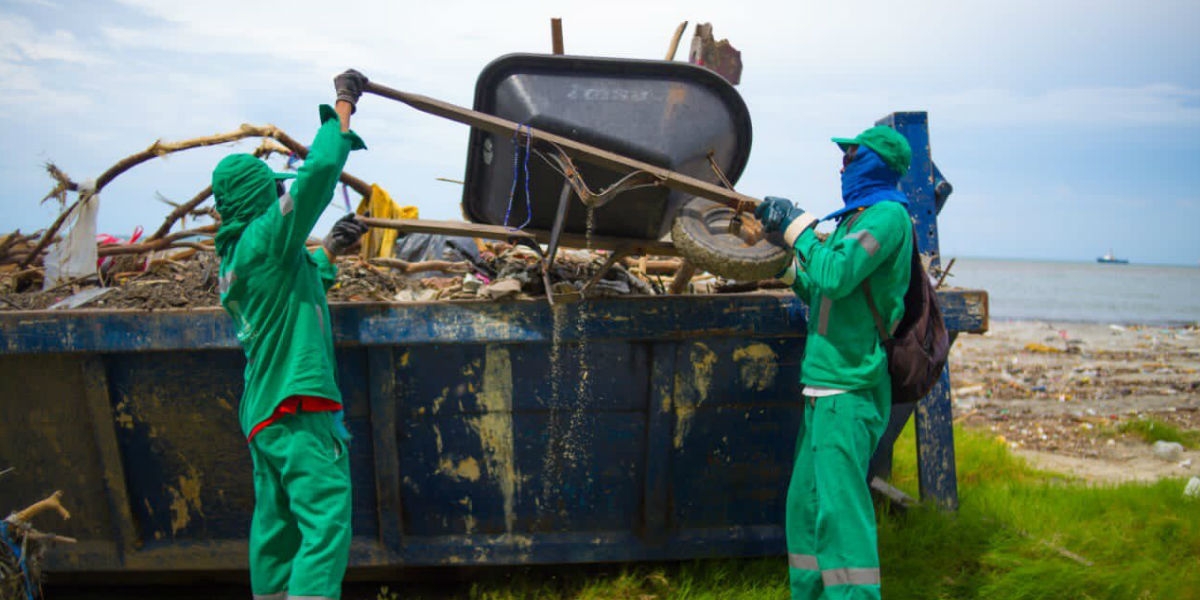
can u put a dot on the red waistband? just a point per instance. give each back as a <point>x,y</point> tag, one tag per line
<point>293,405</point>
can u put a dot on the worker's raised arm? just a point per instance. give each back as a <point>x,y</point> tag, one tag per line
<point>349,87</point>
<point>317,178</point>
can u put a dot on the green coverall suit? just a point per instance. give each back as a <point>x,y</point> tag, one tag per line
<point>275,291</point>
<point>830,521</point>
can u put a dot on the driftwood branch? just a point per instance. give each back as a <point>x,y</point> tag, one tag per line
<point>64,184</point>
<point>180,211</point>
<point>49,235</point>
<point>268,147</point>
<point>159,244</point>
<point>53,501</point>
<point>159,149</point>
<point>49,537</point>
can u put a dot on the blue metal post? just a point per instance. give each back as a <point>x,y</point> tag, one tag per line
<point>935,422</point>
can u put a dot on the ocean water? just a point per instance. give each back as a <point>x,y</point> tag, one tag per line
<point>1088,292</point>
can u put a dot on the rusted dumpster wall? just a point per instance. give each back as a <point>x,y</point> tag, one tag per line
<point>624,429</point>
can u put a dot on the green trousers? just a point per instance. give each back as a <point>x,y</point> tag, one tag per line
<point>830,522</point>
<point>300,533</point>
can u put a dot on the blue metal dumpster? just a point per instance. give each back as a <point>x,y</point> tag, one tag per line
<point>484,433</point>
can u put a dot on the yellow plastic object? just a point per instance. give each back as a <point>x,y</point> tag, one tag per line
<point>378,243</point>
<point>1036,347</point>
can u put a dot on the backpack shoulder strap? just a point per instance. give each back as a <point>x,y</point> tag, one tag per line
<point>866,287</point>
<point>883,335</point>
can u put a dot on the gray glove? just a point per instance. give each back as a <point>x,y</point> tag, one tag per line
<point>349,86</point>
<point>344,233</point>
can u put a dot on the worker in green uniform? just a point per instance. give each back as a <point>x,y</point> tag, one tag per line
<point>830,520</point>
<point>291,409</point>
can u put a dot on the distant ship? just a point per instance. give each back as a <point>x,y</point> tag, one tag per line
<point>1110,259</point>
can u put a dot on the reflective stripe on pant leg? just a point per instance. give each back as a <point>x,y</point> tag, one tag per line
<point>846,429</point>
<point>834,577</point>
<point>278,596</point>
<point>800,521</point>
<point>311,598</point>
<point>804,562</point>
<point>274,538</point>
<point>318,481</point>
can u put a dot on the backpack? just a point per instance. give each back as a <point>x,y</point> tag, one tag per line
<point>917,352</point>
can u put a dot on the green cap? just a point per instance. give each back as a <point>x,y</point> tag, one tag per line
<point>886,142</point>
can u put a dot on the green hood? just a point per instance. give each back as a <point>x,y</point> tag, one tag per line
<point>243,187</point>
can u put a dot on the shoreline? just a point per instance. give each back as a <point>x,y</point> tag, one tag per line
<point>1129,323</point>
<point>1059,392</point>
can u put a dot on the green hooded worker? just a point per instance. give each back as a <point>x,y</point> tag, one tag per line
<point>291,409</point>
<point>830,520</point>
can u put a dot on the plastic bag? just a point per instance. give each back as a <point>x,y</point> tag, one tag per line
<point>75,255</point>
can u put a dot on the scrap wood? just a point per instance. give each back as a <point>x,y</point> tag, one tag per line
<point>653,266</point>
<point>674,46</point>
<point>22,548</point>
<point>405,266</point>
<point>684,275</point>
<point>157,150</point>
<point>164,243</point>
<point>51,502</point>
<point>718,56</point>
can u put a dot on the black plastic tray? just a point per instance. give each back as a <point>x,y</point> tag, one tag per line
<point>669,114</point>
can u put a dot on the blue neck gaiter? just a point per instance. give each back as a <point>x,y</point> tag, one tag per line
<point>867,180</point>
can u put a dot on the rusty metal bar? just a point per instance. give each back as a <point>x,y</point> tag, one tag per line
<point>490,232</point>
<point>579,150</point>
<point>499,232</point>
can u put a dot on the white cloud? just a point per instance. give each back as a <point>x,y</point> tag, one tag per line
<point>1158,104</point>
<point>23,41</point>
<point>106,87</point>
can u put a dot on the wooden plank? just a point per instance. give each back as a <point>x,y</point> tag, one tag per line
<point>556,36</point>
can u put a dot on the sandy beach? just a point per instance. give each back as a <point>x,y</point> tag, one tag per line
<point>1057,393</point>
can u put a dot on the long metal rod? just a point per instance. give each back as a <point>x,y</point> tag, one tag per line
<point>584,152</point>
<point>499,232</point>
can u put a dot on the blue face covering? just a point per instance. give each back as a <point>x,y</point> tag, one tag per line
<point>865,181</point>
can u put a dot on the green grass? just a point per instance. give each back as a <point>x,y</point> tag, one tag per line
<point>1153,430</point>
<point>1018,534</point>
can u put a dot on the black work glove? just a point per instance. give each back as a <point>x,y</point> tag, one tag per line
<point>777,213</point>
<point>349,86</point>
<point>344,233</point>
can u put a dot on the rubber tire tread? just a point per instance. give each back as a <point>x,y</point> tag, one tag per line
<point>723,255</point>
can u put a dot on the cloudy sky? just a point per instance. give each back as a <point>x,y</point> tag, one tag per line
<point>1068,127</point>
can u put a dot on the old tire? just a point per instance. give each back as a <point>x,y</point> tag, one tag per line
<point>701,234</point>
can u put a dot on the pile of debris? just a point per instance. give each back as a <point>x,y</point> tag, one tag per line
<point>500,272</point>
<point>174,268</point>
